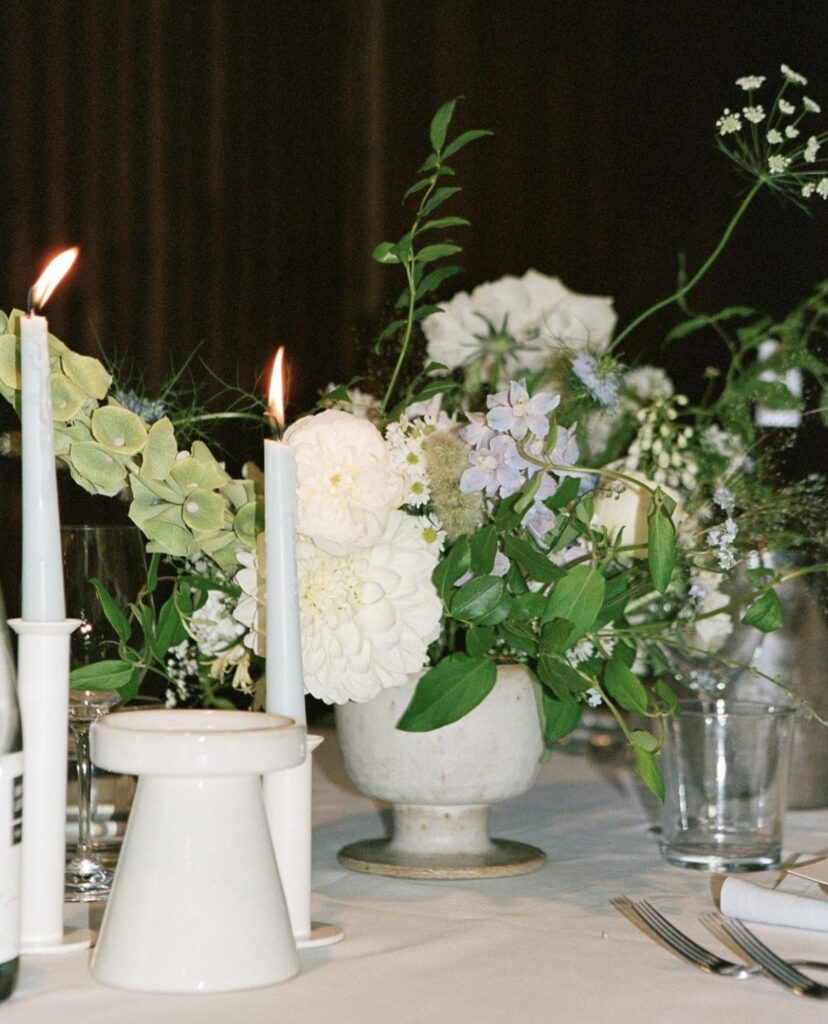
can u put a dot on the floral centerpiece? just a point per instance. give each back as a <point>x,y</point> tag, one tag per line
<point>518,494</point>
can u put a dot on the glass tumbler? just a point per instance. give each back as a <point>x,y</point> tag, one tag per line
<point>725,768</point>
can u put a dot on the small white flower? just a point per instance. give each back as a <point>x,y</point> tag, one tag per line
<point>774,137</point>
<point>778,163</point>
<point>729,122</point>
<point>432,533</point>
<point>811,150</point>
<point>754,114</point>
<point>822,188</point>
<point>793,76</point>
<point>593,697</point>
<point>749,82</point>
<point>791,132</point>
<point>786,107</point>
<point>808,189</point>
<point>580,652</point>
<point>811,105</point>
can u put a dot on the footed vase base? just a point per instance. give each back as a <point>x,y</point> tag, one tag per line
<point>377,857</point>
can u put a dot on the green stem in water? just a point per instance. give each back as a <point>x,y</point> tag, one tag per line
<point>679,293</point>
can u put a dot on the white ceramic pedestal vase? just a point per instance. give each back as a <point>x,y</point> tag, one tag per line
<point>441,783</point>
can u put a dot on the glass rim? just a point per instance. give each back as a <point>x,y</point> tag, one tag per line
<point>724,707</point>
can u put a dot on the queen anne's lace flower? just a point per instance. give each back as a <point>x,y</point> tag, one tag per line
<point>785,107</point>
<point>367,615</point>
<point>778,163</point>
<point>793,76</point>
<point>347,487</point>
<point>748,82</point>
<point>729,122</point>
<point>774,137</point>
<point>811,105</point>
<point>754,114</point>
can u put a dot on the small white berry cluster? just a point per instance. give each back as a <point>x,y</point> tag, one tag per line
<point>661,449</point>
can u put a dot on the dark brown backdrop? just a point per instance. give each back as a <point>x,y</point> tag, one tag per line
<point>227,165</point>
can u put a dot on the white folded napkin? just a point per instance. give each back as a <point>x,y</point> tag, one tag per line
<point>795,903</point>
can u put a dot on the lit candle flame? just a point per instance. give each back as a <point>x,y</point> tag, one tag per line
<point>276,393</point>
<point>50,278</point>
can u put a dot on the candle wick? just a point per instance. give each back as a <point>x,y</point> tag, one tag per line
<point>30,303</point>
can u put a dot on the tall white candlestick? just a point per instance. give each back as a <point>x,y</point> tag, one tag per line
<point>42,585</point>
<point>285,685</point>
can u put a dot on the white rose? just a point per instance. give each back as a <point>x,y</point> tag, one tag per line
<point>346,485</point>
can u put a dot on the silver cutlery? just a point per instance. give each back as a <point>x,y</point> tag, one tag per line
<point>783,971</point>
<point>645,915</point>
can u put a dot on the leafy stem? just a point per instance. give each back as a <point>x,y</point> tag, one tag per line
<point>683,289</point>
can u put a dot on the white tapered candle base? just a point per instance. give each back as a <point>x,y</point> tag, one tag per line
<point>43,694</point>
<point>287,798</point>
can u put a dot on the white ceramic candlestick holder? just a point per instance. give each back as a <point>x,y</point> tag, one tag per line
<point>196,904</point>
<point>288,802</point>
<point>43,694</point>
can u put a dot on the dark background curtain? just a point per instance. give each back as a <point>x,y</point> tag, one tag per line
<point>226,167</point>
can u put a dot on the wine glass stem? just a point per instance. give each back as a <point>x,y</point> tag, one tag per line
<point>80,731</point>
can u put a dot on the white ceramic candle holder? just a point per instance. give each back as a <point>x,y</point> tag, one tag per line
<point>288,802</point>
<point>43,694</point>
<point>196,904</point>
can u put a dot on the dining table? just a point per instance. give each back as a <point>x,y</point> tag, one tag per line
<point>547,946</point>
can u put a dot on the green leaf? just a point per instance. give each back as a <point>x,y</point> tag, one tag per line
<point>391,329</point>
<point>102,675</point>
<point>577,597</point>
<point>434,278</point>
<point>464,139</point>
<point>152,573</point>
<point>418,186</point>
<point>765,613</point>
<point>534,561</point>
<point>519,637</point>
<point>567,491</point>
<point>454,565</point>
<point>481,600</point>
<point>624,687</point>
<point>112,610</point>
<point>170,630</point>
<point>666,693</point>
<point>440,196</point>
<point>483,550</point>
<point>644,740</point>
<point>555,635</point>
<point>448,691</point>
<point>445,222</point>
<point>384,253</point>
<point>661,542</point>
<point>559,717</point>
<point>439,125</point>
<point>479,640</point>
<point>648,770</point>
<point>526,606</point>
<point>561,677</point>
<point>430,253</point>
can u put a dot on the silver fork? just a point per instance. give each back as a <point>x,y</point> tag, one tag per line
<point>783,971</point>
<point>642,913</point>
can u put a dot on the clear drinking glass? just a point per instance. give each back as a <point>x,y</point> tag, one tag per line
<point>725,768</point>
<point>114,555</point>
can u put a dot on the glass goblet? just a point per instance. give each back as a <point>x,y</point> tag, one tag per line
<point>115,556</point>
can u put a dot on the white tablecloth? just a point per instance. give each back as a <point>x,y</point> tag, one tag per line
<point>540,947</point>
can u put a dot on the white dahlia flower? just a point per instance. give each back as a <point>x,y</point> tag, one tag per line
<point>346,484</point>
<point>368,614</point>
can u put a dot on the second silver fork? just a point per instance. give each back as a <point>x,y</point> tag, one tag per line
<point>642,912</point>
